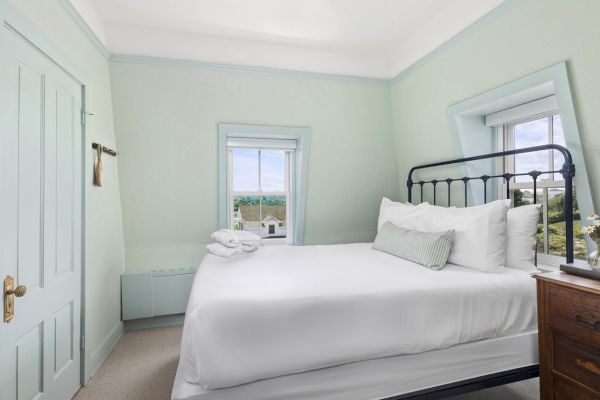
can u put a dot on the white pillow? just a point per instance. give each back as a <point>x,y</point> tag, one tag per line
<point>404,215</point>
<point>479,233</point>
<point>521,229</point>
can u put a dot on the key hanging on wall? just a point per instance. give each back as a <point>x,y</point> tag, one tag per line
<point>98,166</point>
<point>98,163</point>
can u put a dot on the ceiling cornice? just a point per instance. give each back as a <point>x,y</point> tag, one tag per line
<point>472,28</point>
<point>85,28</point>
<point>124,58</point>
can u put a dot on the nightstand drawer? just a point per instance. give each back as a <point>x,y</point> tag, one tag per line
<point>569,337</point>
<point>577,360</point>
<point>564,390</point>
<point>575,313</point>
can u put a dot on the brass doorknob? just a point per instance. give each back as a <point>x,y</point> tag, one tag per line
<point>10,291</point>
<point>19,291</point>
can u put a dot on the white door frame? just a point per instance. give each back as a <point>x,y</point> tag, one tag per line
<point>10,18</point>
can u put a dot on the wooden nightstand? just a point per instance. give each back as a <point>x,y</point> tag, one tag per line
<point>569,336</point>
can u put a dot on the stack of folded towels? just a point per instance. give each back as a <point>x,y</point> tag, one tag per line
<point>229,242</point>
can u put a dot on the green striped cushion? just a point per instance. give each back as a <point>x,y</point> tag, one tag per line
<point>430,249</point>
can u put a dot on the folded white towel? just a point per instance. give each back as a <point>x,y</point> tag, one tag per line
<point>234,238</point>
<point>223,251</point>
<point>250,247</point>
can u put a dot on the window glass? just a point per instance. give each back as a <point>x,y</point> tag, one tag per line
<point>273,214</point>
<point>260,192</point>
<point>272,170</point>
<point>551,237</point>
<point>245,170</point>
<point>556,225</point>
<point>528,134</point>
<point>246,213</point>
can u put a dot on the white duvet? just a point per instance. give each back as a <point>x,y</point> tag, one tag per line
<point>283,310</point>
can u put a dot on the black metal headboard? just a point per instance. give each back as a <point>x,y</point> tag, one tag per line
<point>567,171</point>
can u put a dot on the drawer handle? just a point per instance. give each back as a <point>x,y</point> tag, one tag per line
<point>588,320</point>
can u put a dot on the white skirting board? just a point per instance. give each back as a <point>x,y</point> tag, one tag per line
<point>156,293</point>
<point>155,322</point>
<point>98,356</point>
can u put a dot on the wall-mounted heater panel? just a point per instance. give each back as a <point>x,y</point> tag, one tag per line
<point>155,293</point>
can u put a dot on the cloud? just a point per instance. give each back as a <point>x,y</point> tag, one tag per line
<point>535,133</point>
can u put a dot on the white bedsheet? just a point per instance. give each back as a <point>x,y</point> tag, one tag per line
<point>285,310</point>
<point>381,378</point>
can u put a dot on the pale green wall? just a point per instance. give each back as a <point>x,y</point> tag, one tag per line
<point>166,121</point>
<point>104,233</point>
<point>529,36</point>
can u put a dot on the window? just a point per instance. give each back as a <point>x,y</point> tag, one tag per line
<point>259,195</point>
<point>550,188</point>
<point>263,175</point>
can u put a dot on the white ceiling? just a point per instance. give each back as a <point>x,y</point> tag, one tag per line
<point>365,38</point>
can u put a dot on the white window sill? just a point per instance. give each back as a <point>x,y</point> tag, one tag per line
<point>548,268</point>
<point>548,263</point>
<point>275,242</point>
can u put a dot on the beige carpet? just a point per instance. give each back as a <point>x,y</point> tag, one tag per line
<point>142,367</point>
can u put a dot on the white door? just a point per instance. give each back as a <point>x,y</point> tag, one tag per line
<point>40,222</point>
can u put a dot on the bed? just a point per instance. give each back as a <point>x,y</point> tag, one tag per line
<point>350,322</point>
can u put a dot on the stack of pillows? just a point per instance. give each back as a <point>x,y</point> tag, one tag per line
<point>487,238</point>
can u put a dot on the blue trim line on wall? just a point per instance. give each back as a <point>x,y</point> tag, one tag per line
<point>123,58</point>
<point>474,27</point>
<point>85,28</point>
<point>12,20</point>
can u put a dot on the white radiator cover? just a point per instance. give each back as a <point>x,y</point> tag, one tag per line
<point>155,293</point>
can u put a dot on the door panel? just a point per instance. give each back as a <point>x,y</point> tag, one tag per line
<point>64,181</point>
<point>29,364</point>
<point>40,237</point>
<point>31,107</point>
<point>50,189</point>
<point>63,338</point>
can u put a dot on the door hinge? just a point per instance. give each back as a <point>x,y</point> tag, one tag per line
<point>84,115</point>
<point>82,342</point>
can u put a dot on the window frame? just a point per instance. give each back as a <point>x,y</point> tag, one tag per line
<point>299,161</point>
<point>471,134</point>
<point>287,192</point>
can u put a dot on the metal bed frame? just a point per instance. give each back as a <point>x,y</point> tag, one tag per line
<point>568,173</point>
